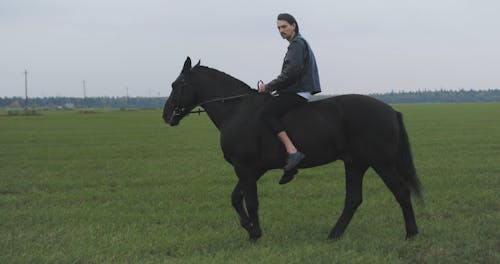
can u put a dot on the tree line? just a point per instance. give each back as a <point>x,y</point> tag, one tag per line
<point>440,96</point>
<point>78,102</point>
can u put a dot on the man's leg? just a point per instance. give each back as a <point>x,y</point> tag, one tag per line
<point>293,159</point>
<point>271,117</point>
<point>289,146</point>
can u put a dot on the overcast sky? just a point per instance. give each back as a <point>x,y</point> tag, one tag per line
<point>362,46</point>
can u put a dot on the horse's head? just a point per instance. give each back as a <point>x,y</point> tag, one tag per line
<point>182,98</point>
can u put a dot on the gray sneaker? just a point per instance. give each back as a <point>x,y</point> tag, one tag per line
<point>293,160</point>
<point>288,176</point>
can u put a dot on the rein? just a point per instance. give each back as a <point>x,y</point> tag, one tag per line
<point>222,99</point>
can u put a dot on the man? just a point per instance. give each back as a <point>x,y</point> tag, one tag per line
<point>298,81</point>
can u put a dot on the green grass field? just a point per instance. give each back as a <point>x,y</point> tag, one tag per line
<point>122,187</point>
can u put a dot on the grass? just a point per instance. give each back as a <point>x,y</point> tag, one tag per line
<point>122,187</point>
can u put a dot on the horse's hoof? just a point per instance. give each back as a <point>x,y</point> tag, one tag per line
<point>254,231</point>
<point>411,236</point>
<point>253,239</point>
<point>334,236</point>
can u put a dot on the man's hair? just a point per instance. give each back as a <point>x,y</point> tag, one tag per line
<point>290,19</point>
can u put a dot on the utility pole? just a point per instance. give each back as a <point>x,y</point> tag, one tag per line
<point>26,89</point>
<point>126,99</point>
<point>85,95</point>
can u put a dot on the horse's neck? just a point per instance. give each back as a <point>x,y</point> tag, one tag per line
<point>221,112</point>
<point>221,100</point>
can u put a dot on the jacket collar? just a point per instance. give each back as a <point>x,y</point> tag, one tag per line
<point>297,36</point>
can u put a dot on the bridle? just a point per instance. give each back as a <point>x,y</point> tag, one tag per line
<point>180,111</point>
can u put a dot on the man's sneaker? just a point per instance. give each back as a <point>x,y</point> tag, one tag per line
<point>288,176</point>
<point>293,160</point>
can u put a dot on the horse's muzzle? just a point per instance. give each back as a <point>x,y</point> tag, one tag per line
<point>172,120</point>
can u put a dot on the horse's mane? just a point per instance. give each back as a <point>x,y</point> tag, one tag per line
<point>221,75</point>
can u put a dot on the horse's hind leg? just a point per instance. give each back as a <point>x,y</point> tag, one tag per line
<point>353,196</point>
<point>401,192</point>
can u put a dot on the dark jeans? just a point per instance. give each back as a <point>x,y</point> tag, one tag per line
<point>276,108</point>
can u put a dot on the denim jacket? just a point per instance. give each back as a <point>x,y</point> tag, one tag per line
<point>299,72</point>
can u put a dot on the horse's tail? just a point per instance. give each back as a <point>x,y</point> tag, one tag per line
<point>405,165</point>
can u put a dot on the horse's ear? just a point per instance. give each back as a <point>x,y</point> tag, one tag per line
<point>197,64</point>
<point>187,66</point>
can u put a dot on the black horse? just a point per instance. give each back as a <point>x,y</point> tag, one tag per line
<point>360,130</point>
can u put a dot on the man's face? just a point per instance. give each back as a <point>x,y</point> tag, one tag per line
<point>286,30</point>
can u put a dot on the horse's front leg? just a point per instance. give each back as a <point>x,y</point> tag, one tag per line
<point>248,186</point>
<point>252,203</point>
<point>237,201</point>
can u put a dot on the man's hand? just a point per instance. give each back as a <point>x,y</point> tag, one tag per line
<point>262,87</point>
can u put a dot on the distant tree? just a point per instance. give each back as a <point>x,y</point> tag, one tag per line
<point>419,96</point>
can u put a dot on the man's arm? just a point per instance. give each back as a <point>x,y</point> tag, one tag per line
<point>292,67</point>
